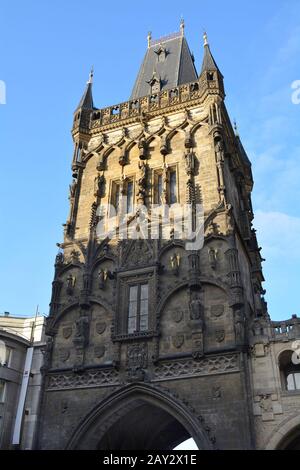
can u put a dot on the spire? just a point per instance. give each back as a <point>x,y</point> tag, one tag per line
<point>171,58</point>
<point>149,36</point>
<point>86,101</point>
<point>208,63</point>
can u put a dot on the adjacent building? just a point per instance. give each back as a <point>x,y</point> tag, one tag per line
<point>19,337</point>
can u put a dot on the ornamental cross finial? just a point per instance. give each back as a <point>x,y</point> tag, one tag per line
<point>205,39</point>
<point>90,80</point>
<point>182,26</point>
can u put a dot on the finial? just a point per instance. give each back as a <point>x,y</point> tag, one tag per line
<point>182,26</point>
<point>90,80</point>
<point>149,37</point>
<point>205,39</point>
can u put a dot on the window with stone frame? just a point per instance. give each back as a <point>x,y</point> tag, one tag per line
<point>158,187</point>
<point>129,196</point>
<point>135,313</point>
<point>115,195</point>
<point>5,358</point>
<point>172,186</point>
<point>2,390</point>
<point>138,308</point>
<point>289,366</point>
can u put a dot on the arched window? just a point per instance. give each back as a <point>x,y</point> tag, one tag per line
<point>289,366</point>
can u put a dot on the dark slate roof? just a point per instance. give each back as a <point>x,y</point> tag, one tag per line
<point>177,68</point>
<point>209,62</point>
<point>86,101</point>
<point>242,151</point>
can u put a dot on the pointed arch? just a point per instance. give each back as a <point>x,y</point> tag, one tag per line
<point>181,285</point>
<point>118,404</point>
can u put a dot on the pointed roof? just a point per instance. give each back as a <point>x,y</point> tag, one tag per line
<point>209,63</point>
<point>86,101</point>
<point>172,61</point>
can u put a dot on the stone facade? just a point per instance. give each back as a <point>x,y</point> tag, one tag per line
<point>205,363</point>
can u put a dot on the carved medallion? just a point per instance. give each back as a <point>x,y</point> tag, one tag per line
<point>178,340</point>
<point>99,351</point>
<point>67,331</point>
<point>217,310</point>
<point>220,336</point>
<point>100,327</point>
<point>64,354</point>
<point>177,316</point>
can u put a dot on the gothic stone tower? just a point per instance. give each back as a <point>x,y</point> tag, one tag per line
<point>151,343</point>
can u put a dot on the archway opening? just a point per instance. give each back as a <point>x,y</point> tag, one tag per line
<point>291,441</point>
<point>144,427</point>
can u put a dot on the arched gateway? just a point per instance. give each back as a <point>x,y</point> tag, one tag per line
<point>139,416</point>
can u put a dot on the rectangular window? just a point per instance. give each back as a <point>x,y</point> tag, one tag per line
<point>138,308</point>
<point>5,360</point>
<point>173,187</point>
<point>2,391</point>
<point>129,197</point>
<point>115,196</point>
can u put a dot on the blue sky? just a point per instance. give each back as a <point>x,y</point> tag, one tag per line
<point>47,49</point>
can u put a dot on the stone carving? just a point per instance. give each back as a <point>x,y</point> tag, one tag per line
<point>175,263</point>
<point>265,403</point>
<point>190,368</point>
<point>189,163</point>
<point>213,256</point>
<point>99,351</point>
<point>198,346</point>
<point>138,253</point>
<point>48,353</point>
<point>99,186</point>
<point>75,256</point>
<point>91,378</point>
<point>142,183</point>
<point>137,361</point>
<point>72,189</point>
<point>59,259</point>
<point>219,148</point>
<point>239,326</point>
<point>177,315</point>
<point>216,392</point>
<point>71,281</point>
<point>217,310</point>
<point>64,354</point>
<point>220,336</point>
<point>100,327</point>
<point>67,331</point>
<point>178,340</point>
<point>196,309</point>
<point>82,330</point>
<point>102,277</point>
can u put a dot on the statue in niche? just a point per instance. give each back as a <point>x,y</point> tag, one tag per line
<point>175,262</point>
<point>220,152</point>
<point>71,281</point>
<point>72,189</point>
<point>196,309</point>
<point>82,329</point>
<point>99,185</point>
<point>190,162</point>
<point>239,326</point>
<point>48,353</point>
<point>102,276</point>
